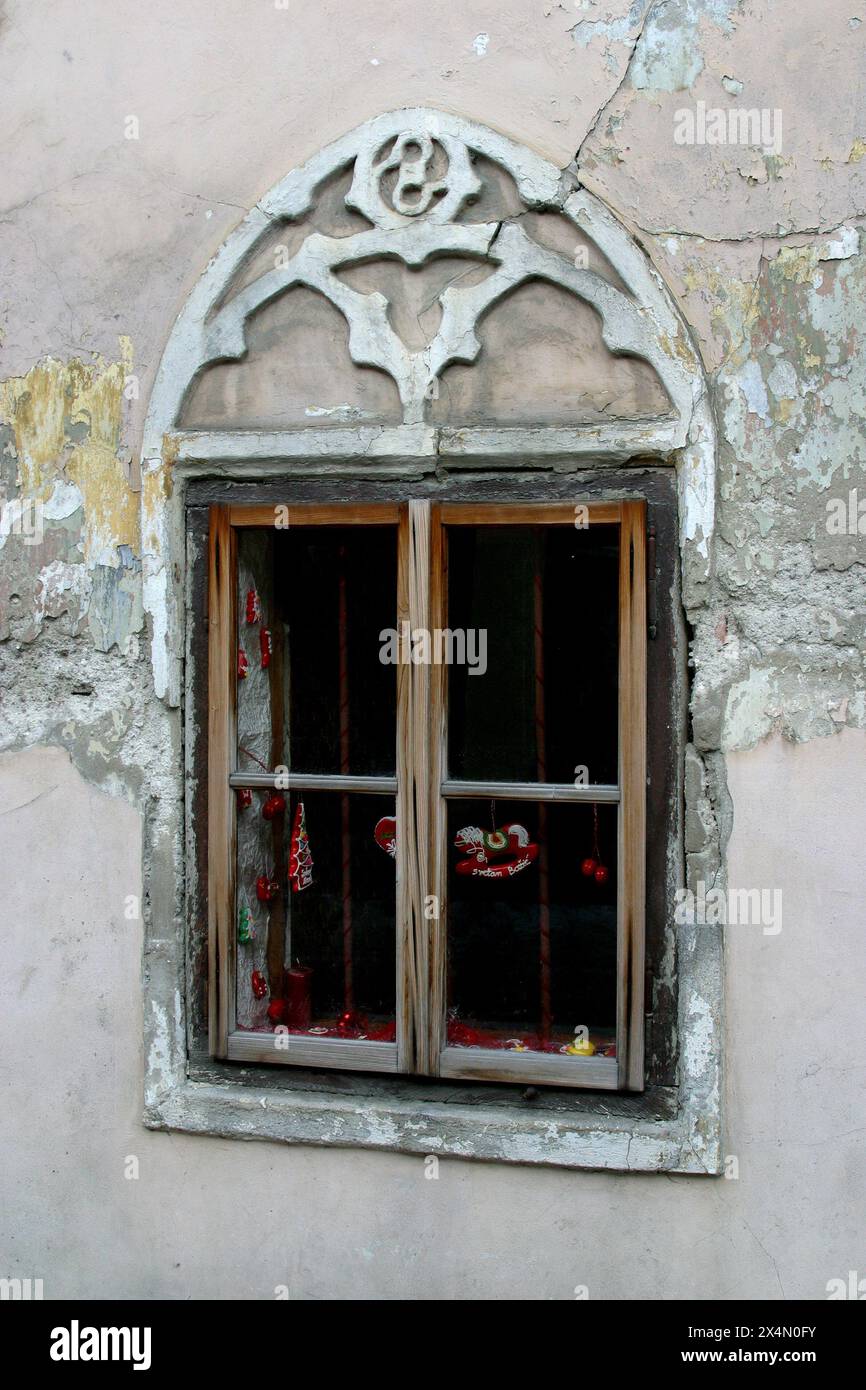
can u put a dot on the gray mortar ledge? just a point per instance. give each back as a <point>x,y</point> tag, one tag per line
<point>667,1131</point>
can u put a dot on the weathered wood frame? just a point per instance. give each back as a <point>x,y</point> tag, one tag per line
<point>225,1040</point>
<point>422,788</point>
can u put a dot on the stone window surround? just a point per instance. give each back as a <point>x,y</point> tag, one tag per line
<point>675,1130</point>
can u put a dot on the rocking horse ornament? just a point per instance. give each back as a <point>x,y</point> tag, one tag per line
<point>496,853</point>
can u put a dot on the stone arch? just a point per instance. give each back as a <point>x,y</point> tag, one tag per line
<point>414,178</point>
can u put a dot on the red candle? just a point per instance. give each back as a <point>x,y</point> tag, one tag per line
<point>299,996</point>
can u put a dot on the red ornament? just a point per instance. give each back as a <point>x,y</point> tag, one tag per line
<point>254,608</point>
<point>592,866</point>
<point>300,858</point>
<point>277,1010</point>
<point>351,1024</point>
<point>274,806</point>
<point>265,645</point>
<point>385,835</point>
<point>266,888</point>
<point>243,664</point>
<point>245,798</point>
<point>259,984</point>
<point>481,847</point>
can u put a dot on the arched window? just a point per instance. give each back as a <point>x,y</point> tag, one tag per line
<point>448,440</point>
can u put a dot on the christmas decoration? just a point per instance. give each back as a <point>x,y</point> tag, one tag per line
<point>243,664</point>
<point>298,990</point>
<point>592,867</point>
<point>245,798</point>
<point>300,858</point>
<point>385,835</point>
<point>351,1025</point>
<point>246,929</point>
<point>481,847</point>
<point>277,1010</point>
<point>259,984</point>
<point>274,806</point>
<point>265,646</point>
<point>267,888</point>
<point>254,607</point>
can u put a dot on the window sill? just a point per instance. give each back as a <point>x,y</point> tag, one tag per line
<point>653,1132</point>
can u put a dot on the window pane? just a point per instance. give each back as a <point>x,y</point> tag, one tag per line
<point>327,950</point>
<point>315,695</point>
<point>523,719</point>
<point>502,929</point>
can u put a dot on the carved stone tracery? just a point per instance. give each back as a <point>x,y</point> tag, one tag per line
<point>413,211</point>
<point>415,174</point>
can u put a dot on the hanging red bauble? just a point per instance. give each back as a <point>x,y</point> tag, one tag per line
<point>254,608</point>
<point>259,984</point>
<point>245,798</point>
<point>592,866</point>
<point>274,806</point>
<point>265,645</point>
<point>243,664</point>
<point>266,888</point>
<point>277,1010</point>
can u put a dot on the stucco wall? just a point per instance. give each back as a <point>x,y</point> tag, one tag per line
<point>102,239</point>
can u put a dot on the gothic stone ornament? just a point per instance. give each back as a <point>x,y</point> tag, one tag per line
<point>414,175</point>
<point>417,191</point>
<point>411,183</point>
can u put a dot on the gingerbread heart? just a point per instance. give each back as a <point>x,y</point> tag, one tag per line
<point>385,835</point>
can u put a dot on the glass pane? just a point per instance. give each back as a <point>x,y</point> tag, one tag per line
<point>316,914</point>
<point>532,927</point>
<point>540,605</point>
<point>313,692</point>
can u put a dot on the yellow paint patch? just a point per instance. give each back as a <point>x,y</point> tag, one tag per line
<point>66,419</point>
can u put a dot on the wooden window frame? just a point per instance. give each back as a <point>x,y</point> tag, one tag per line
<point>422,789</point>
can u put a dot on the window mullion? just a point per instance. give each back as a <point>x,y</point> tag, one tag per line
<point>415,795</point>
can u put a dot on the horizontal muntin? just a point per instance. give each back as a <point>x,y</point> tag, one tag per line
<point>313,782</point>
<point>600,792</point>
